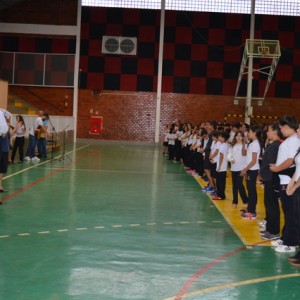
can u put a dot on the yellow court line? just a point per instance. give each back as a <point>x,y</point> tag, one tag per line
<point>235,284</point>
<point>246,230</point>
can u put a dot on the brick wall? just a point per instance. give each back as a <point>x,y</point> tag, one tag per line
<point>131,116</point>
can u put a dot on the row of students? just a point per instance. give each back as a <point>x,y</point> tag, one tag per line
<point>243,152</point>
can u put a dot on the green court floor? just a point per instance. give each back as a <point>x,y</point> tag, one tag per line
<point>119,221</point>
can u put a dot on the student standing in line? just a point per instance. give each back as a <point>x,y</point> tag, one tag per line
<point>171,136</point>
<point>271,183</point>
<point>251,171</point>
<point>237,159</point>
<point>210,127</point>
<point>285,165</point>
<point>20,130</point>
<point>222,165</point>
<point>214,157</point>
<point>293,189</point>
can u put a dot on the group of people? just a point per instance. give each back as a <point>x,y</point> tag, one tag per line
<point>266,154</point>
<point>37,138</point>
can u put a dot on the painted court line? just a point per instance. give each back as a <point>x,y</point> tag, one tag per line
<point>188,284</point>
<point>57,170</point>
<point>103,227</point>
<point>236,284</point>
<point>35,165</point>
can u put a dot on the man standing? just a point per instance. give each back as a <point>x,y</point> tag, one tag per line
<point>34,133</point>
<point>4,148</point>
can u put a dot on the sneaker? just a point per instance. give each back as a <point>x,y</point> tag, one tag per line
<point>285,249</point>
<point>277,243</point>
<point>27,158</point>
<point>262,223</point>
<point>213,194</point>
<point>269,236</point>
<point>262,229</point>
<point>208,190</point>
<point>35,159</point>
<point>248,216</point>
<point>217,198</point>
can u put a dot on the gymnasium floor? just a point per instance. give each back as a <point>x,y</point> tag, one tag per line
<point>119,221</point>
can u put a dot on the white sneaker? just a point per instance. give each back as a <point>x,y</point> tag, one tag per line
<point>262,223</point>
<point>35,159</point>
<point>277,243</point>
<point>285,249</point>
<point>27,158</point>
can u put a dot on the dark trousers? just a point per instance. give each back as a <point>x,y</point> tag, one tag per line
<point>221,184</point>
<point>289,233</point>
<point>171,151</point>
<point>178,150</point>
<point>297,214</point>
<point>251,177</point>
<point>272,208</point>
<point>238,187</point>
<point>18,144</point>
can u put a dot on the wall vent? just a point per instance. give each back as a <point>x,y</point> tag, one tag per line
<point>119,45</point>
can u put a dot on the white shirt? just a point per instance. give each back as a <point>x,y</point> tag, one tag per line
<point>20,131</point>
<point>224,150</point>
<point>297,172</point>
<point>287,149</point>
<point>215,146</point>
<point>253,147</point>
<point>38,122</point>
<point>171,138</point>
<point>3,123</point>
<point>239,161</point>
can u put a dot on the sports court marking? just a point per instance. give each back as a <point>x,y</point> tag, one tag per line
<point>235,284</point>
<point>45,232</point>
<point>56,170</point>
<point>139,149</point>
<point>35,165</point>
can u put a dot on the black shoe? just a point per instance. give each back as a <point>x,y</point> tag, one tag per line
<point>3,191</point>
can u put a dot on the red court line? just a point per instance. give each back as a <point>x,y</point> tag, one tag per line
<point>208,266</point>
<point>42,178</point>
<point>204,269</point>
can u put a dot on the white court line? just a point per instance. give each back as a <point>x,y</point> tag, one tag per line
<point>103,227</point>
<point>146,150</point>
<point>42,163</point>
<point>4,236</point>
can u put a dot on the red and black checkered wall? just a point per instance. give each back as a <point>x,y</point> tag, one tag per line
<point>30,60</point>
<point>202,52</point>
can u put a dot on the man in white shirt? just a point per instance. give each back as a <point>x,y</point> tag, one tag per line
<point>37,127</point>
<point>285,160</point>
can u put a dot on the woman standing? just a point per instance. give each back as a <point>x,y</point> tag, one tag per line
<point>251,171</point>
<point>237,158</point>
<point>20,130</point>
